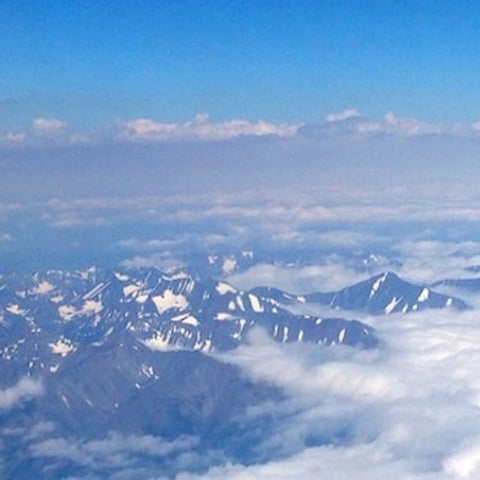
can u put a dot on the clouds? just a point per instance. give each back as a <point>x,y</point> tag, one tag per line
<point>299,279</point>
<point>363,462</point>
<point>407,410</point>
<point>394,125</point>
<point>48,126</point>
<point>25,389</point>
<point>42,131</point>
<point>429,260</point>
<point>349,168</point>
<point>113,452</point>
<point>266,209</point>
<point>346,123</point>
<point>200,128</point>
<point>342,115</point>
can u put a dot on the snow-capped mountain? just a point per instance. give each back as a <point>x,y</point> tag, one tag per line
<point>106,359</point>
<point>50,315</point>
<point>381,294</point>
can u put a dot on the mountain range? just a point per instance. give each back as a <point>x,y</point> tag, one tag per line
<point>382,294</point>
<point>114,372</point>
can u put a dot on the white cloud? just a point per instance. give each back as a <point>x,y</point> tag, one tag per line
<point>293,213</point>
<point>353,121</point>
<point>164,261</point>
<point>346,122</point>
<point>147,245</point>
<point>394,125</point>
<point>410,409</point>
<point>202,129</point>
<point>345,238</point>
<point>427,261</point>
<point>343,115</point>
<point>365,462</point>
<point>15,138</point>
<point>26,388</point>
<point>114,452</point>
<point>306,279</point>
<point>48,126</point>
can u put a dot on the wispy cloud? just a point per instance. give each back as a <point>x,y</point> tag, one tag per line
<point>430,260</point>
<point>26,388</point>
<point>329,275</point>
<point>5,237</point>
<point>48,126</point>
<point>115,452</point>
<point>342,115</point>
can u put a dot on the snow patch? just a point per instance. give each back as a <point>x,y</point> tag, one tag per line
<point>240,303</point>
<point>223,288</point>
<point>424,294</point>
<point>130,290</point>
<point>285,334</point>
<point>391,306</point>
<point>229,265</point>
<point>68,312</point>
<point>377,285</point>
<point>122,277</point>
<point>91,306</point>
<point>63,346</point>
<point>255,303</point>
<point>148,371</point>
<point>141,298</point>
<point>15,309</point>
<point>42,288</point>
<point>191,320</point>
<point>169,300</point>
<point>159,342</point>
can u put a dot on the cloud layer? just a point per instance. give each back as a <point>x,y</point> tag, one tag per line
<point>410,410</point>
<point>200,128</point>
<point>142,129</point>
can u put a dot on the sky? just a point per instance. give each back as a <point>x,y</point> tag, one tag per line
<point>89,63</point>
<point>175,119</point>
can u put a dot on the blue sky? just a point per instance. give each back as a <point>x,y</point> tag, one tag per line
<point>123,117</point>
<point>89,63</point>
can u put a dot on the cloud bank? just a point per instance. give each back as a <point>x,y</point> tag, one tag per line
<point>200,128</point>
<point>410,410</point>
<point>349,122</point>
